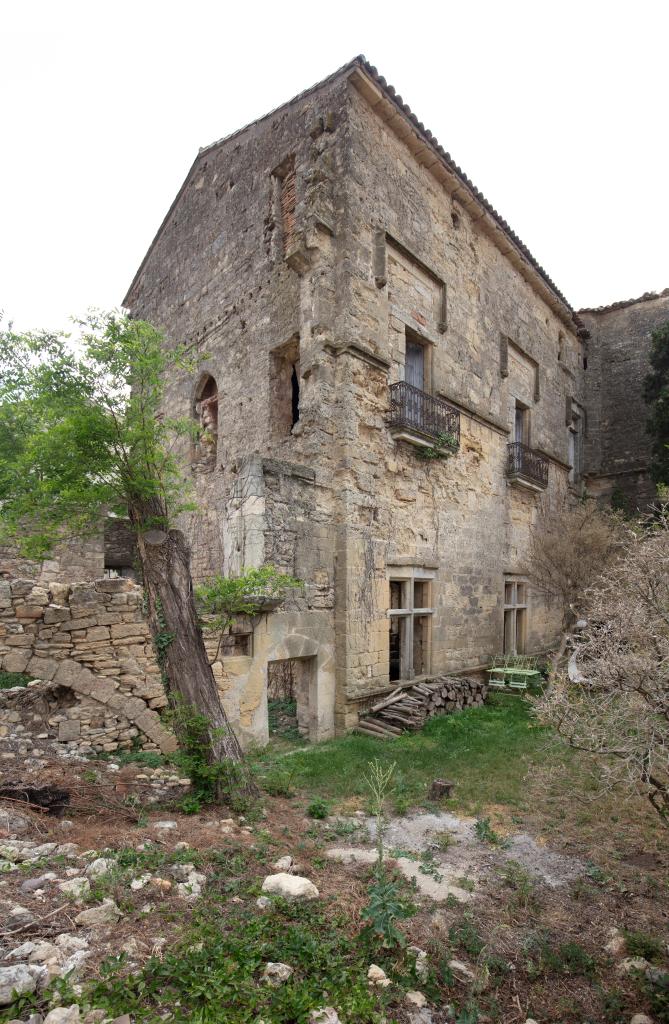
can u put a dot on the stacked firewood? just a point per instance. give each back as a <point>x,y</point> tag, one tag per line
<point>408,708</point>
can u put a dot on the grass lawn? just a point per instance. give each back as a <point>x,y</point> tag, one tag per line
<point>486,751</point>
<point>504,766</point>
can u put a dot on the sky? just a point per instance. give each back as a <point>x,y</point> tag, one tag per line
<point>556,111</point>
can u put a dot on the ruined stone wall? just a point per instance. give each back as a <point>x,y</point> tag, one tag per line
<point>618,448</point>
<point>99,685</point>
<point>89,643</point>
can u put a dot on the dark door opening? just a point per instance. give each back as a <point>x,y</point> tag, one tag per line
<point>291,698</point>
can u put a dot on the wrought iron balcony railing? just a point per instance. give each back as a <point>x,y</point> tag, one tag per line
<point>415,411</point>
<point>526,466</point>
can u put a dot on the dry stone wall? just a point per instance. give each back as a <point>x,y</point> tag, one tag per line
<point>88,644</point>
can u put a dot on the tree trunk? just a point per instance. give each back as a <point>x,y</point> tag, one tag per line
<point>173,620</point>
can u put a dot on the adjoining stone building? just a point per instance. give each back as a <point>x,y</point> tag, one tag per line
<point>360,310</point>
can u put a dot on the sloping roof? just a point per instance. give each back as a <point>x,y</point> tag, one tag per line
<point>361,63</point>
<point>646,297</point>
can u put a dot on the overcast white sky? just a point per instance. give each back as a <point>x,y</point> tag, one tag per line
<point>557,111</point>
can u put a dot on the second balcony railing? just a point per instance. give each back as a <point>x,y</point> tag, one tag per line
<point>414,410</point>
<point>526,466</point>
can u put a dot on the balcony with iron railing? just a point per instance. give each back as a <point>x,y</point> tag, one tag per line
<point>422,419</point>
<point>526,467</point>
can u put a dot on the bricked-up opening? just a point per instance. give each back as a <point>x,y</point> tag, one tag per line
<point>288,203</point>
<point>285,388</point>
<point>206,413</point>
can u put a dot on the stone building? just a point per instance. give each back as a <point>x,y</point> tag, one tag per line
<point>617,448</point>
<point>392,395</point>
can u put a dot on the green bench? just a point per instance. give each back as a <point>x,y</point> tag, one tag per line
<point>513,672</point>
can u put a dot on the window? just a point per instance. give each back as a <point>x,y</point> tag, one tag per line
<point>206,412</point>
<point>521,424</point>
<point>575,444</point>
<point>415,363</point>
<point>515,616</point>
<point>560,352</point>
<point>410,624</point>
<point>285,388</point>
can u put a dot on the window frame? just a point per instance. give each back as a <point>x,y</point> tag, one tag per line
<point>517,612</point>
<point>408,577</point>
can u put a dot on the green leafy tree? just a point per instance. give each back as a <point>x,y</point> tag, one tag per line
<point>656,394</point>
<point>82,434</point>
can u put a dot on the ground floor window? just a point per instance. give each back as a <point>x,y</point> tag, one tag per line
<point>515,616</point>
<point>410,614</point>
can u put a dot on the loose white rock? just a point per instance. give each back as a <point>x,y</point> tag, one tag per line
<point>415,1000</point>
<point>632,964</point>
<point>165,826</point>
<point>63,1015</point>
<point>291,887</point>
<point>106,913</point>
<point>76,887</point>
<point>71,943</point>
<point>181,871</point>
<point>99,867</point>
<point>21,952</point>
<point>461,971</point>
<point>192,888</point>
<point>15,979</point>
<point>616,944</point>
<point>422,967</point>
<point>377,976</point>
<point>139,883</point>
<point>67,850</point>
<point>283,863</point>
<point>640,1018</point>
<point>276,974</point>
<point>44,952</point>
<point>324,1015</point>
<point>263,903</point>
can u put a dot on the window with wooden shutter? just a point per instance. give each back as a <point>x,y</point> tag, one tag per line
<point>288,204</point>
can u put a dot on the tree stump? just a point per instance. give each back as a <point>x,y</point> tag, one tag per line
<point>441,789</point>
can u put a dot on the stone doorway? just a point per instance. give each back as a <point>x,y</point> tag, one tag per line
<point>291,702</point>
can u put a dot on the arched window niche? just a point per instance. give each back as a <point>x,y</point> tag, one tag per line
<point>205,411</point>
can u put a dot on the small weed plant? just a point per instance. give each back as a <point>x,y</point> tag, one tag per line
<point>386,906</point>
<point>485,833</point>
<point>318,808</point>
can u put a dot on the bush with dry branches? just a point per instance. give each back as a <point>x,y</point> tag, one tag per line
<point>617,706</point>
<point>570,546</point>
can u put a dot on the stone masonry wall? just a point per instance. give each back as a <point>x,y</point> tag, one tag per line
<point>90,646</point>
<point>335,498</point>
<point>618,448</point>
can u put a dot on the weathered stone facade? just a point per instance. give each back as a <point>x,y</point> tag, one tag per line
<point>304,254</point>
<point>359,308</point>
<point>617,446</point>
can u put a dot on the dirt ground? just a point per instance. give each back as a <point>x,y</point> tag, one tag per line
<point>530,915</point>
